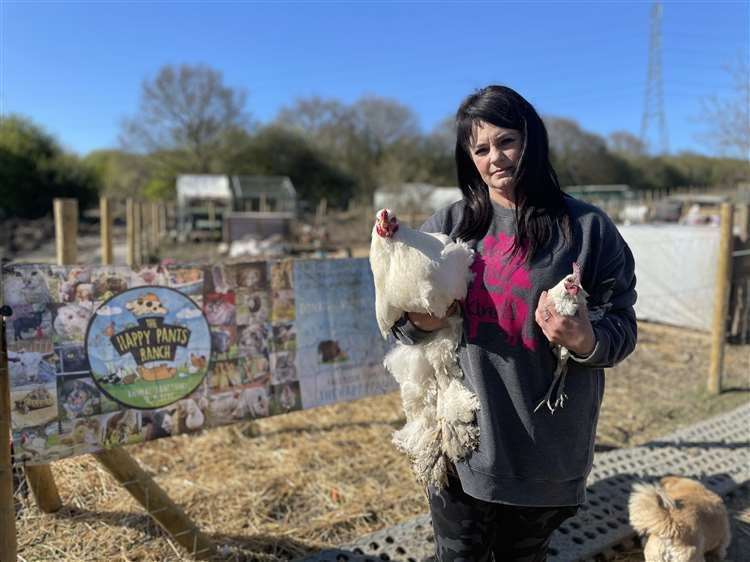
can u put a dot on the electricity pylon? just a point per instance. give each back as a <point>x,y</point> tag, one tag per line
<point>653,103</point>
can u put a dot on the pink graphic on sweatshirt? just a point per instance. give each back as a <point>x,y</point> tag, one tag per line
<point>492,296</point>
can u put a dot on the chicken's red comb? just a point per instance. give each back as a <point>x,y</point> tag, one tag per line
<point>577,271</point>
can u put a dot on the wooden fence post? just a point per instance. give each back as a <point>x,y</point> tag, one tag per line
<point>154,226</point>
<point>157,503</point>
<point>162,220</point>
<point>134,233</point>
<point>144,238</point>
<point>139,242</point>
<point>42,484</point>
<point>130,226</point>
<point>66,230</point>
<point>8,546</point>
<point>743,220</point>
<point>721,300</point>
<point>105,230</point>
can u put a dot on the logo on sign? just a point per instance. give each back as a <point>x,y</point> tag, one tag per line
<point>148,347</point>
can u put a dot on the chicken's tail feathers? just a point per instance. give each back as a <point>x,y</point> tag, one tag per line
<point>650,509</point>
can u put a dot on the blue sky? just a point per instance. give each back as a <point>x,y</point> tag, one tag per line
<point>76,68</point>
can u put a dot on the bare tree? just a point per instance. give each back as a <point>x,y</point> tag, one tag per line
<point>372,123</point>
<point>371,140</point>
<point>313,115</point>
<point>442,138</point>
<point>626,144</point>
<point>327,123</point>
<point>382,122</point>
<point>728,119</point>
<point>185,109</point>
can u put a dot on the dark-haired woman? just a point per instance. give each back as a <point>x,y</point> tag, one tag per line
<point>528,475</point>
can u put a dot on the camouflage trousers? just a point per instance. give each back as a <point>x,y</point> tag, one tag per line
<point>471,530</point>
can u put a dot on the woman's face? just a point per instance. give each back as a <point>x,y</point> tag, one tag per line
<point>496,152</point>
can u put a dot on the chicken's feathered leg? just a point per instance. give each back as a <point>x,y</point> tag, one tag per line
<point>441,410</point>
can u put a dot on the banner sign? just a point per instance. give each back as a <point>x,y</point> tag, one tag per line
<point>108,355</point>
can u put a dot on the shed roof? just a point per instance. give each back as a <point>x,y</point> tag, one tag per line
<point>700,198</point>
<point>203,186</point>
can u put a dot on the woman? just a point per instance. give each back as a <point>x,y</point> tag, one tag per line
<point>529,472</point>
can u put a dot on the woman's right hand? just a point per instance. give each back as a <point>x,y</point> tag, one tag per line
<point>430,323</point>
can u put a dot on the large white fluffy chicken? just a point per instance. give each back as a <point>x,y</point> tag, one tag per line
<point>567,296</point>
<point>423,272</point>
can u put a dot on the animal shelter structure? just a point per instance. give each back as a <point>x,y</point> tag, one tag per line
<point>230,207</point>
<point>202,202</point>
<point>263,206</point>
<point>265,194</point>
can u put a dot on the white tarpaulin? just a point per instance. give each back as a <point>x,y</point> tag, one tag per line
<point>675,268</point>
<point>416,196</point>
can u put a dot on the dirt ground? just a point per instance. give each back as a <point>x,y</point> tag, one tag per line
<point>282,487</point>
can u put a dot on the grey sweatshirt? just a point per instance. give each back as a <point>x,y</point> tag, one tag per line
<point>526,457</point>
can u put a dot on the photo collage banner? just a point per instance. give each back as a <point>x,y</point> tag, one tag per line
<point>108,355</point>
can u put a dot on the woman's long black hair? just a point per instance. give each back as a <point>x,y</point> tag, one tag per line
<point>539,198</point>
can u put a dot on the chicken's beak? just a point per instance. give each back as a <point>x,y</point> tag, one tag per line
<point>572,287</point>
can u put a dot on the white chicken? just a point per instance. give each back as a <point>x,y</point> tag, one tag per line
<point>194,418</point>
<point>423,272</point>
<point>567,296</point>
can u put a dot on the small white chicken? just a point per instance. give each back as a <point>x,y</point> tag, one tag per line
<point>194,417</point>
<point>567,296</point>
<point>423,272</point>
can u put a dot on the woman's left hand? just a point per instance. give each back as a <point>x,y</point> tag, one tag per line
<point>572,332</point>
